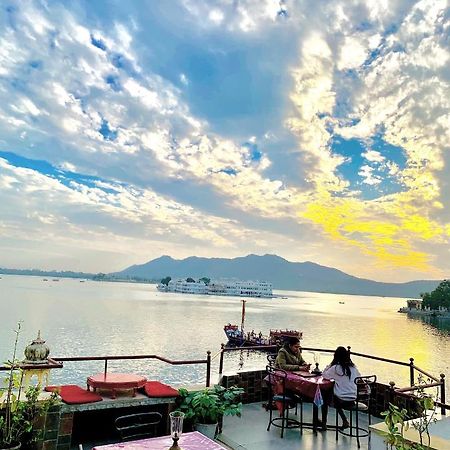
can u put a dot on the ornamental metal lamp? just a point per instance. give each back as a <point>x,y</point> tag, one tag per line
<point>316,369</point>
<point>176,428</point>
<point>37,352</point>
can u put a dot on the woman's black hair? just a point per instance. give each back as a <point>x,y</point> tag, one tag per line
<point>342,358</point>
<point>291,340</point>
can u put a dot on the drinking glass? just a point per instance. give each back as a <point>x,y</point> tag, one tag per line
<point>176,427</point>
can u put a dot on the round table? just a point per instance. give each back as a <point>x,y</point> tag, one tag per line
<point>115,382</point>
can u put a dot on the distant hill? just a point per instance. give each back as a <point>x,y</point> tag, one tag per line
<point>305,276</point>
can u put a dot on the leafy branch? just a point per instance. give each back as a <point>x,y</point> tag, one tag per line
<point>397,421</point>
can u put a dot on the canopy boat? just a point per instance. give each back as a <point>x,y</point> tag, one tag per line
<point>238,336</point>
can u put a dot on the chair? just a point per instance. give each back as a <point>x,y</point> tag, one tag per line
<point>364,387</point>
<point>138,425</point>
<point>271,358</point>
<point>277,393</point>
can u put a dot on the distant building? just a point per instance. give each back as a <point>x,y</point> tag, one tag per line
<point>187,287</point>
<point>221,287</point>
<point>414,307</point>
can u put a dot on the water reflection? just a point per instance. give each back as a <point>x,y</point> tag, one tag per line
<point>440,324</point>
<point>95,319</point>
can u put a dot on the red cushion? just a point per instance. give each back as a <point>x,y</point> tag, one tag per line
<point>157,389</point>
<point>74,395</point>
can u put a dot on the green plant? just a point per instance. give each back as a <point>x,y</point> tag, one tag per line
<point>209,405</point>
<point>19,412</point>
<point>397,422</point>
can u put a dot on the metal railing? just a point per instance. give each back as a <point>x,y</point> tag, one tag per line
<point>436,382</point>
<point>206,361</point>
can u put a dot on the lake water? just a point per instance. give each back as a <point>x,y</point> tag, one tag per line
<point>95,319</point>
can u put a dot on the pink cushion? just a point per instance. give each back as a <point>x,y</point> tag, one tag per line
<point>157,389</point>
<point>74,395</point>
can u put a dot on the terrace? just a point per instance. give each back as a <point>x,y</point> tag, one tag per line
<point>72,424</point>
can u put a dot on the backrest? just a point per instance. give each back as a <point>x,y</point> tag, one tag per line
<point>138,425</point>
<point>277,381</point>
<point>364,386</point>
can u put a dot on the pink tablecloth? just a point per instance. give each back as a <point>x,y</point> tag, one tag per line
<point>188,441</point>
<point>307,386</point>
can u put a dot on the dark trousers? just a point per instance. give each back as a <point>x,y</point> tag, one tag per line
<point>340,405</point>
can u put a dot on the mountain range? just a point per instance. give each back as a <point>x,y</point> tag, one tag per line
<point>283,274</point>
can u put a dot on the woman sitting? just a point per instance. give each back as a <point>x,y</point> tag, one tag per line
<point>289,356</point>
<point>343,372</point>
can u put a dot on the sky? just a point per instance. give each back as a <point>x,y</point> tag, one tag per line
<point>317,131</point>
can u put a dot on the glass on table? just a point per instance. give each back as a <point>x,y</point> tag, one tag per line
<point>176,428</point>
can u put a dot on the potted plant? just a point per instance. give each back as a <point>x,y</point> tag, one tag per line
<point>19,410</point>
<point>206,408</point>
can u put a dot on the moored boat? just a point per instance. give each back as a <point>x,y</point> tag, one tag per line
<point>238,336</point>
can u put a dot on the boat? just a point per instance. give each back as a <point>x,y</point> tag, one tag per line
<point>237,336</point>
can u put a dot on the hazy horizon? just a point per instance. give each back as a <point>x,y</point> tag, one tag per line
<point>55,269</point>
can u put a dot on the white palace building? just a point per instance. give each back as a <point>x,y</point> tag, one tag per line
<point>220,287</point>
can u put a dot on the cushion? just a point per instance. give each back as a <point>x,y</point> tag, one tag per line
<point>157,389</point>
<point>74,395</point>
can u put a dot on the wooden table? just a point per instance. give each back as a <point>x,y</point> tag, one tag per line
<point>306,386</point>
<point>116,382</point>
<point>188,441</point>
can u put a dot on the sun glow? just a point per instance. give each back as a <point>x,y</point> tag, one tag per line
<point>388,239</point>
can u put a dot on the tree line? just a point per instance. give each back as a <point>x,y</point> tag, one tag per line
<point>205,280</point>
<point>440,297</point>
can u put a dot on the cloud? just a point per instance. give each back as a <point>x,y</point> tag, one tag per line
<point>246,16</point>
<point>93,215</point>
<point>373,156</point>
<point>144,113</point>
<point>394,89</point>
<point>172,123</point>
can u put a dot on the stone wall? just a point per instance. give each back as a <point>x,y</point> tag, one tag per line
<point>55,430</point>
<point>252,382</point>
<point>66,426</point>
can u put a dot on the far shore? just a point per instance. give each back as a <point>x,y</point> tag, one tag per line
<point>94,277</point>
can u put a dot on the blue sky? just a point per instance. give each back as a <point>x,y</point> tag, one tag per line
<point>316,131</point>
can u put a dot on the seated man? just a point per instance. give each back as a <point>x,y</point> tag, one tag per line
<point>289,356</point>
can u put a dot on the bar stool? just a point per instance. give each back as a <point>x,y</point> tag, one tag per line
<point>277,393</point>
<point>364,386</point>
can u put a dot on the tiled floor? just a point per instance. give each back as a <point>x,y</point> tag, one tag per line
<point>249,433</point>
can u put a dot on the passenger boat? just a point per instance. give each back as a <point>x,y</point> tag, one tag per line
<point>239,337</point>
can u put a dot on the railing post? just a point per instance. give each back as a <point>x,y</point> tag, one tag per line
<point>411,371</point>
<point>349,349</point>
<point>391,392</point>
<point>443,410</point>
<point>106,366</point>
<point>208,368</point>
<point>222,346</point>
